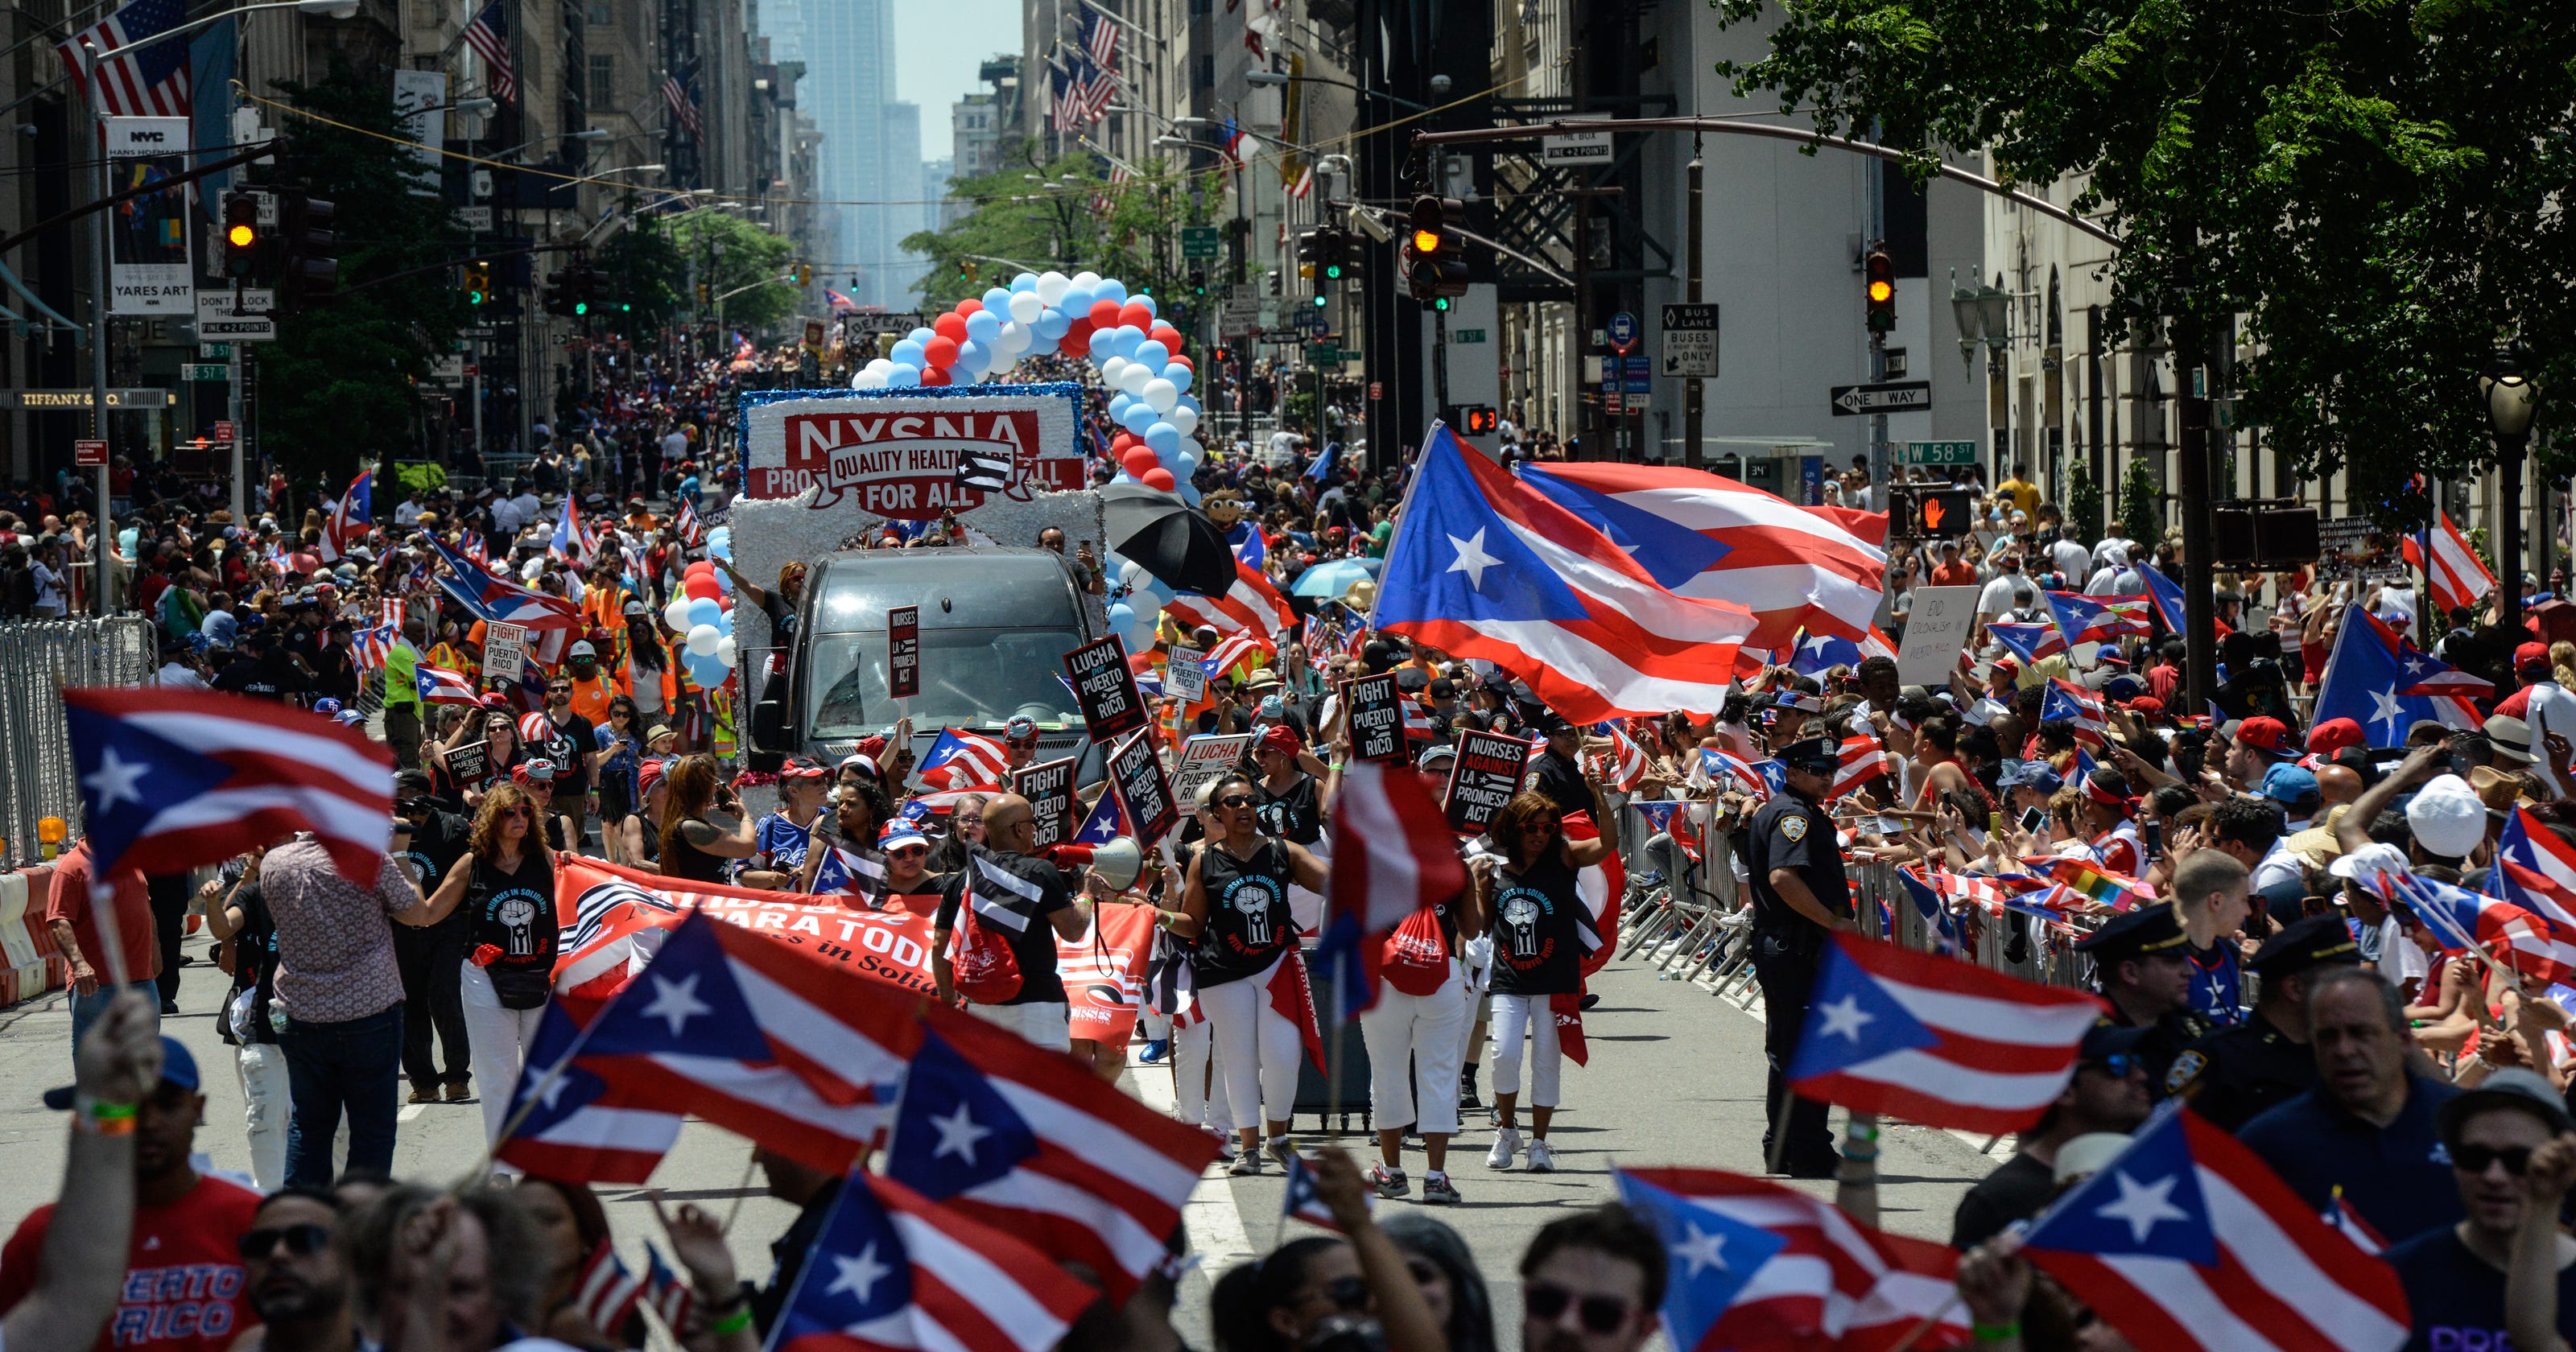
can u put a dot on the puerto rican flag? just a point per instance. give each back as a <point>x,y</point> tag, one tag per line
<point>572,541</point>
<point>607,1292</point>
<point>2167,595</point>
<point>893,1271</point>
<point>496,600</point>
<point>438,685</point>
<point>580,1131</point>
<point>1233,651</point>
<point>1814,653</point>
<point>2457,576</point>
<point>2536,870</point>
<point>2385,684</point>
<point>1486,566</point>
<point>1392,854</point>
<point>170,779</point>
<point>347,523</point>
<point>2462,921</point>
<point>756,1037</point>
<point>1623,766</point>
<point>2419,674</point>
<point>1864,758</point>
<point>2099,619</point>
<point>1699,535</point>
<point>370,648</point>
<point>2067,702</point>
<point>2029,642</point>
<point>849,872</point>
<point>1252,605</point>
<point>1935,1041</point>
<point>1754,1264</point>
<point>684,523</point>
<point>1731,772</point>
<point>962,759</point>
<point>1930,904</point>
<point>2187,1240</point>
<point>1027,1140</point>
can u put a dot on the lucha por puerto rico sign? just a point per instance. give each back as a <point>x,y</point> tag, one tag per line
<point>897,453</point>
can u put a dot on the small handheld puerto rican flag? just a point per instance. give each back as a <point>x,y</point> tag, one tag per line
<point>1303,1201</point>
<point>984,471</point>
<point>664,1293</point>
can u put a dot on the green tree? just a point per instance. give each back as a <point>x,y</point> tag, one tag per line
<point>1011,218</point>
<point>2142,506</point>
<point>339,383</point>
<point>646,278</point>
<point>2083,501</point>
<point>2369,185</point>
<point>727,253</point>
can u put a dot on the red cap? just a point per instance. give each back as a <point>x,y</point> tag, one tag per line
<point>873,747</point>
<point>2147,704</point>
<point>2530,655</point>
<point>649,774</point>
<point>2334,735</point>
<point>2007,664</point>
<point>2267,733</point>
<point>1280,738</point>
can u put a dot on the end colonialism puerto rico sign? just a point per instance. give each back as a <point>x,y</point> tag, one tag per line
<point>897,453</point>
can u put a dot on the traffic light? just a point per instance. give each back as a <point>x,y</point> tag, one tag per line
<point>309,249</point>
<point>1198,281</point>
<point>1923,512</point>
<point>1334,260</point>
<point>557,295</point>
<point>242,242</point>
<point>804,274</point>
<point>1475,420</point>
<point>1881,272</point>
<point>1435,254</point>
<point>478,283</point>
<point>585,288</point>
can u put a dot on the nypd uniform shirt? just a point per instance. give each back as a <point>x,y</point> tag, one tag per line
<point>2236,1074</point>
<point>1790,832</point>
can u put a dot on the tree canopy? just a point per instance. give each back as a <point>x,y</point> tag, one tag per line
<point>1010,218</point>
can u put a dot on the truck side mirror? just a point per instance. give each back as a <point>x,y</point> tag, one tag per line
<point>773,719</point>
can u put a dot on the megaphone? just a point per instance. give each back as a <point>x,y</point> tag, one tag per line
<point>1118,862</point>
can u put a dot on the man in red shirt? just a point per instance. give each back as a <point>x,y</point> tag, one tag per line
<point>183,1279</point>
<point>73,920</point>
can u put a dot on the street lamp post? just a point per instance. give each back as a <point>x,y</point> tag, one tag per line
<point>2506,390</point>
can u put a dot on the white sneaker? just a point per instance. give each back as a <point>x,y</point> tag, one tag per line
<point>1542,1157</point>
<point>1507,1143</point>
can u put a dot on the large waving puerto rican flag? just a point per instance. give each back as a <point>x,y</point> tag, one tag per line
<point>1393,854</point>
<point>2458,577</point>
<point>348,519</point>
<point>2099,619</point>
<point>494,599</point>
<point>2463,921</point>
<point>892,1271</point>
<point>1252,605</point>
<point>580,1130</point>
<point>2380,681</point>
<point>1709,537</point>
<point>2187,1240</point>
<point>438,685</point>
<point>1485,566</point>
<point>2531,859</point>
<point>1936,1041</point>
<point>1755,1264</point>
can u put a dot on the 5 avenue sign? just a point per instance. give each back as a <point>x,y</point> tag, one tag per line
<point>1894,396</point>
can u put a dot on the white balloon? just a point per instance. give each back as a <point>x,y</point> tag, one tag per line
<point>1196,452</point>
<point>1024,306</point>
<point>1159,395</point>
<point>881,365</point>
<point>676,615</point>
<point>868,380</point>
<point>726,650</point>
<point>1109,371</point>
<point>1052,285</point>
<point>1014,338</point>
<point>703,640</point>
<point>1086,279</point>
<point>1182,417</point>
<point>1133,379</point>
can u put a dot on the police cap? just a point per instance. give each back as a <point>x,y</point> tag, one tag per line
<point>1817,755</point>
<point>2134,934</point>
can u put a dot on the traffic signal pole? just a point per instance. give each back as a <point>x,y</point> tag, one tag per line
<point>101,297</point>
<point>1694,400</point>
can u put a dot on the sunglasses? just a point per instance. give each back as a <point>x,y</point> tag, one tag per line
<point>1234,800</point>
<point>303,1241</point>
<point>1547,1302</point>
<point>908,852</point>
<point>2118,1065</point>
<point>2474,1159</point>
<point>518,813</point>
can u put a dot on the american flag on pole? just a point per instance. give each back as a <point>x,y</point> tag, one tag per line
<point>1252,604</point>
<point>1097,89</point>
<point>2457,575</point>
<point>1936,1041</point>
<point>1099,36</point>
<point>893,1271</point>
<point>171,779</point>
<point>150,83</point>
<point>2187,1240</point>
<point>1754,1264</point>
<point>1067,102</point>
<point>680,93</point>
<point>489,36</point>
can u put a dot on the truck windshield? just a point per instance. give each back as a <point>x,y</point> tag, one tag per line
<point>968,677</point>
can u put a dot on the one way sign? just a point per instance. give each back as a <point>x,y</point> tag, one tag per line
<point>1894,396</point>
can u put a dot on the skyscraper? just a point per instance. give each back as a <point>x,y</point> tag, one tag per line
<point>870,155</point>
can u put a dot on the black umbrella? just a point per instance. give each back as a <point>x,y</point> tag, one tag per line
<point>1166,537</point>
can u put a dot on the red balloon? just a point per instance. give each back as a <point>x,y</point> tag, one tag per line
<point>970,306</point>
<point>1165,334</point>
<point>942,350</point>
<point>1072,346</point>
<point>1104,314</point>
<point>1139,460</point>
<point>1158,477</point>
<point>701,588</point>
<point>1183,362</point>
<point>950,326</point>
<point>1079,330</point>
<point>702,566</point>
<point>1135,313</point>
<point>934,376</point>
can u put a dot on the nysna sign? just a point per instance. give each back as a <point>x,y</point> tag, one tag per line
<point>896,453</point>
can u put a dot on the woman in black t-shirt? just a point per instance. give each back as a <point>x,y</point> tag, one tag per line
<point>1235,904</point>
<point>505,886</point>
<point>1535,915</point>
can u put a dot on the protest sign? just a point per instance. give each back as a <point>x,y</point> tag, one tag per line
<point>1136,776</point>
<point>1049,789</point>
<point>1376,714</point>
<point>1486,775</point>
<point>903,652</point>
<point>1105,688</point>
<point>1203,759</point>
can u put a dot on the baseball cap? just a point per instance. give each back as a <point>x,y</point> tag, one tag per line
<point>2334,735</point>
<point>177,1067</point>
<point>900,833</point>
<point>1433,757</point>
<point>533,771</point>
<point>535,728</point>
<point>2288,784</point>
<point>2510,1088</point>
<point>326,706</point>
<point>2447,817</point>
<point>2530,655</point>
<point>2263,732</point>
<point>649,774</point>
<point>2032,774</point>
<point>803,767</point>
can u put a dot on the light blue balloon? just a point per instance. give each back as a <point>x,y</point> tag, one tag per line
<point>1052,324</point>
<point>1110,288</point>
<point>1118,407</point>
<point>996,298</point>
<point>703,611</point>
<point>1146,299</point>
<point>1180,376</point>
<point>724,584</point>
<point>1026,281</point>
<point>1104,344</point>
<point>906,352</point>
<point>1124,338</point>
<point>1152,355</point>
<point>1163,438</point>
<point>1186,465</point>
<point>1076,302</point>
<point>904,376</point>
<point>983,327</point>
<point>1189,402</point>
<point>922,335</point>
<point>1189,492</point>
<point>1119,614</point>
<point>1138,417</point>
<point>974,356</point>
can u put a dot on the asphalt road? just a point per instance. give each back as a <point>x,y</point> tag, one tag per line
<point>1675,1079</point>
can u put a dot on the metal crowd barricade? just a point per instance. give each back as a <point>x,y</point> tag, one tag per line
<point>36,661</point>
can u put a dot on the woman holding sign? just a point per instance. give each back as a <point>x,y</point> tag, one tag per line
<point>1234,902</point>
<point>1530,894</point>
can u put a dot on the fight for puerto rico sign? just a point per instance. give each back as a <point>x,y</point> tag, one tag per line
<point>909,455</point>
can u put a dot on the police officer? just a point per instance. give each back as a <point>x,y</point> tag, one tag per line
<point>2237,1072</point>
<point>2142,965</point>
<point>1800,896</point>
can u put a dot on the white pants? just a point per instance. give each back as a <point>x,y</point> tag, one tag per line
<point>266,1105</point>
<point>1198,1096</point>
<point>1513,1014</point>
<point>1415,1046</point>
<point>1257,1049</point>
<point>498,1040</point>
<point>1047,1023</point>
